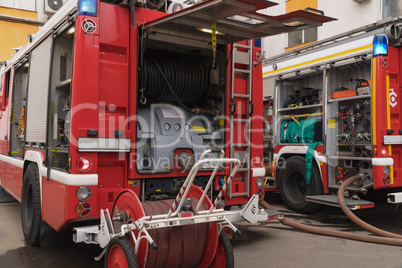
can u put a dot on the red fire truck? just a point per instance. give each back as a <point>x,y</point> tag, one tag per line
<point>117,106</point>
<point>337,111</point>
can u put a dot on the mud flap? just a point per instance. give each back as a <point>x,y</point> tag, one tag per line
<point>5,197</point>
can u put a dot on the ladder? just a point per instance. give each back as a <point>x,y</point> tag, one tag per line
<point>240,115</point>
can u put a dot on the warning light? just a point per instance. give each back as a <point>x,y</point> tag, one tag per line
<point>380,45</point>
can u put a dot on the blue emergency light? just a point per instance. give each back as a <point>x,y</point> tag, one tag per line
<point>380,45</point>
<point>88,7</point>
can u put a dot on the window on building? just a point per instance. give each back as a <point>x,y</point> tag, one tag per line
<point>391,8</point>
<point>301,37</point>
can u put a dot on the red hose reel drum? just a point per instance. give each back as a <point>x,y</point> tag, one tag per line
<point>181,246</point>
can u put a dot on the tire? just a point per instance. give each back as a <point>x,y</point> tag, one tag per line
<point>224,257</point>
<point>293,186</point>
<point>31,214</point>
<point>120,253</point>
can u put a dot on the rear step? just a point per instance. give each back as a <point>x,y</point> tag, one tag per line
<point>332,200</point>
<point>273,214</point>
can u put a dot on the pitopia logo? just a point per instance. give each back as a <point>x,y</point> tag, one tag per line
<point>392,97</point>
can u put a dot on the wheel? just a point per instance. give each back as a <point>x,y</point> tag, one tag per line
<point>224,257</point>
<point>31,214</point>
<point>293,186</point>
<point>120,254</point>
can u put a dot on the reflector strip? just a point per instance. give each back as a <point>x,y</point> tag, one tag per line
<point>373,99</point>
<point>320,59</point>
<point>196,128</point>
<point>389,126</point>
<point>364,206</point>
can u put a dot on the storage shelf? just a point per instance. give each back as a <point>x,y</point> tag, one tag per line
<point>60,150</point>
<point>354,144</point>
<point>350,98</point>
<point>340,157</point>
<point>298,143</point>
<point>64,84</point>
<point>300,108</point>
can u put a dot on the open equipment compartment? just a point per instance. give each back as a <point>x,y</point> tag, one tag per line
<point>349,128</point>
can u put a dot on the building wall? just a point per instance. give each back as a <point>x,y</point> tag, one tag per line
<point>275,45</point>
<point>350,14</point>
<point>15,34</point>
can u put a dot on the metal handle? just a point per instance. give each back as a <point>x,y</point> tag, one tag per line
<point>309,9</point>
<point>251,108</point>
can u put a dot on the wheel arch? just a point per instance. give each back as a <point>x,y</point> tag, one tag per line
<point>289,151</point>
<point>36,158</point>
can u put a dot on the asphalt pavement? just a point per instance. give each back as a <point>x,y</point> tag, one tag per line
<point>260,245</point>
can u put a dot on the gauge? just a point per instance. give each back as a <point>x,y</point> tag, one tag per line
<point>166,126</point>
<point>187,127</point>
<point>177,127</point>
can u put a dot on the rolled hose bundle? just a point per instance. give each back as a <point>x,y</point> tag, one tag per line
<point>189,81</point>
<point>386,239</point>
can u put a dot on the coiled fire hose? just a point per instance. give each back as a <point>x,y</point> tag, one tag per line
<point>384,237</point>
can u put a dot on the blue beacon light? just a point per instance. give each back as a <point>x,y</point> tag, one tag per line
<point>380,45</point>
<point>88,7</point>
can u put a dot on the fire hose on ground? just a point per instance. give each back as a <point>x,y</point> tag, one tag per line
<point>384,237</point>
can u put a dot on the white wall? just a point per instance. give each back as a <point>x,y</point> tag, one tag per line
<point>350,15</point>
<point>275,45</point>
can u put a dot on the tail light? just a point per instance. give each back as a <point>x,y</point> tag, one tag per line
<point>384,151</point>
<point>387,180</point>
<point>83,193</point>
<point>257,161</point>
<point>84,164</point>
<point>83,209</point>
<point>386,170</point>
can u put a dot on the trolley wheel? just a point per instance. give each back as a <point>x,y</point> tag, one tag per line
<point>293,185</point>
<point>120,254</point>
<point>31,214</point>
<point>224,257</point>
<point>127,200</point>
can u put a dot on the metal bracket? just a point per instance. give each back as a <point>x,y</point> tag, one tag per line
<point>96,234</point>
<point>252,213</point>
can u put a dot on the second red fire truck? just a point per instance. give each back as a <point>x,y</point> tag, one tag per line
<point>338,113</point>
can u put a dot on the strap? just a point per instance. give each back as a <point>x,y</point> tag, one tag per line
<point>309,160</point>
<point>213,43</point>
